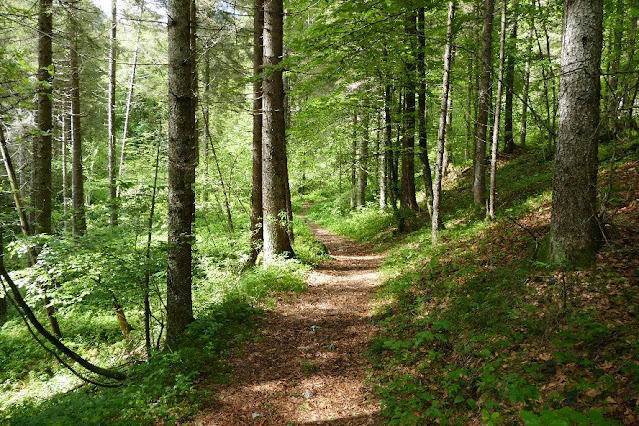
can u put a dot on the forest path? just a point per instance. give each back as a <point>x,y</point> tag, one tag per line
<point>308,367</point>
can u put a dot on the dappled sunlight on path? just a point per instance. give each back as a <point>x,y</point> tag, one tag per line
<point>308,366</point>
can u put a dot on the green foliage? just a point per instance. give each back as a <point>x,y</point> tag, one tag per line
<point>474,329</point>
<point>365,224</point>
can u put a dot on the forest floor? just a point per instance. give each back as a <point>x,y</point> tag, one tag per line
<point>308,366</point>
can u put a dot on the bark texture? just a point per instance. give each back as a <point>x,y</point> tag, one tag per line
<point>479,160</point>
<point>575,230</point>
<point>497,114</point>
<point>362,170</point>
<point>41,178</point>
<point>407,198</point>
<point>443,114</point>
<point>182,162</point>
<point>421,109</point>
<point>257,233</point>
<point>276,238</point>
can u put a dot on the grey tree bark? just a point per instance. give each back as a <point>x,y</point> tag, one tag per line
<point>276,238</point>
<point>443,114</point>
<point>575,232</point>
<point>497,114</point>
<point>182,161</point>
<point>479,159</point>
<point>354,164</point>
<point>362,164</point>
<point>421,110</point>
<point>257,233</point>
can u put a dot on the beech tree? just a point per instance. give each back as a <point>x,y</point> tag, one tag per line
<point>479,159</point>
<point>575,231</point>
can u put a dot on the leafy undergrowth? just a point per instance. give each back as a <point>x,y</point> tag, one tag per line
<point>367,223</point>
<point>168,386</point>
<point>475,330</point>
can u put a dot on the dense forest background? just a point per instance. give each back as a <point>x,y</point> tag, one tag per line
<point>151,210</point>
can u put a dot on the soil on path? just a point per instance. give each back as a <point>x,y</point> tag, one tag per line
<point>309,367</point>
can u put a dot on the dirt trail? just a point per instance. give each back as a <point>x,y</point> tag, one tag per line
<point>308,367</point>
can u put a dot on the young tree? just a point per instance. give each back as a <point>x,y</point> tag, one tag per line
<point>111,116</point>
<point>443,114</point>
<point>362,156</point>
<point>509,141</point>
<point>575,232</point>
<point>479,159</point>
<point>182,162</point>
<point>421,109</point>
<point>497,115</point>
<point>77,177</point>
<point>275,217</point>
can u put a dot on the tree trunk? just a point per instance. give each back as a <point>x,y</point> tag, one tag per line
<point>127,112</point>
<point>257,234</point>
<point>362,171</point>
<point>441,134</point>
<point>421,110</point>
<point>407,195</point>
<point>526,97</point>
<point>497,115</point>
<point>66,132</point>
<point>41,178</point>
<point>77,178</point>
<point>111,116</point>
<point>575,232</point>
<point>354,164</point>
<point>383,176</point>
<point>509,142</point>
<point>388,146</point>
<point>276,238</point>
<point>479,159</point>
<point>182,162</point>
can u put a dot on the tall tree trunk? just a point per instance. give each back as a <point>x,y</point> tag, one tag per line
<point>127,111</point>
<point>111,116</point>
<point>41,179</point>
<point>362,171</point>
<point>354,164</point>
<point>613,97</point>
<point>407,195</point>
<point>77,178</point>
<point>276,238</point>
<point>421,110</point>
<point>383,175</point>
<point>66,132</point>
<point>388,145</point>
<point>500,89</point>
<point>575,232</point>
<point>182,162</point>
<point>441,134</point>
<point>479,159</point>
<point>526,94</point>
<point>509,142</point>
<point>257,234</point>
